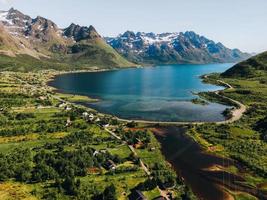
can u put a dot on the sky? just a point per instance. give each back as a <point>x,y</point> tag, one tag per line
<point>236,23</point>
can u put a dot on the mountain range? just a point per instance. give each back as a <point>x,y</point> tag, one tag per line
<point>38,43</point>
<point>45,44</point>
<point>166,48</point>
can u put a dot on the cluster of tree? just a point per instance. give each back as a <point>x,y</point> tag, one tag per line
<point>84,137</point>
<point>261,126</point>
<point>50,126</point>
<point>250,153</point>
<point>17,164</point>
<point>134,137</point>
<point>13,99</point>
<point>24,116</point>
<point>3,120</point>
<point>15,130</point>
<point>227,113</point>
<point>21,126</point>
<point>131,124</point>
<point>44,102</point>
<point>74,113</point>
<point>60,166</point>
<point>163,176</point>
<point>256,110</point>
<point>108,194</point>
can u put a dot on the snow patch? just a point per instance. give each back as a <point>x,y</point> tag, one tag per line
<point>3,17</point>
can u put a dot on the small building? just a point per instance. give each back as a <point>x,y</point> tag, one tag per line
<point>95,153</point>
<point>138,145</point>
<point>152,149</point>
<point>106,125</point>
<point>68,108</point>
<point>62,105</point>
<point>85,114</point>
<point>91,117</point>
<point>68,122</point>
<point>110,165</point>
<point>42,98</point>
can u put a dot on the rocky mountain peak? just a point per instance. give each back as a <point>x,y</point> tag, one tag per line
<point>172,48</point>
<point>128,34</point>
<point>43,29</point>
<point>79,33</point>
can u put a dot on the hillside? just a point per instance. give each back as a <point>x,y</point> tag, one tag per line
<point>255,66</point>
<point>166,48</point>
<point>45,45</point>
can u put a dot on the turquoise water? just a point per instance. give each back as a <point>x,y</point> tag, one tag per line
<point>160,93</point>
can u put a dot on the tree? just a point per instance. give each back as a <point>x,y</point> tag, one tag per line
<point>71,186</point>
<point>23,172</point>
<point>109,193</point>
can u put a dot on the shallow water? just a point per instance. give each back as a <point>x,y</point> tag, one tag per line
<point>160,93</point>
<point>192,163</point>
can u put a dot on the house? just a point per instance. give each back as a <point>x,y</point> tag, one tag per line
<point>62,105</point>
<point>68,122</point>
<point>68,108</point>
<point>106,125</point>
<point>85,114</point>
<point>138,145</point>
<point>91,117</point>
<point>137,195</point>
<point>152,149</point>
<point>42,98</point>
<point>95,153</point>
<point>110,165</point>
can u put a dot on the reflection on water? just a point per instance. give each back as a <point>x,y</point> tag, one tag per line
<point>192,163</point>
<point>161,93</point>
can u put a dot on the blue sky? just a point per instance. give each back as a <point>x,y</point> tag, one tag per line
<point>236,23</point>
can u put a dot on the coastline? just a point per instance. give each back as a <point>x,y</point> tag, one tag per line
<point>237,112</point>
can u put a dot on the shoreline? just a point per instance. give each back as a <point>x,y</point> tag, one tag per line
<point>235,117</point>
<point>237,113</point>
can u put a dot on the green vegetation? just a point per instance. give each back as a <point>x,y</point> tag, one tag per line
<point>253,67</point>
<point>52,149</point>
<point>199,101</point>
<point>244,140</point>
<point>26,63</point>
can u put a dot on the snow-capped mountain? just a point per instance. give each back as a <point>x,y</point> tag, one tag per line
<point>41,38</point>
<point>187,47</point>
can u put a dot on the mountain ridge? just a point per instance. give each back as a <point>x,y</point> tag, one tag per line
<point>255,66</point>
<point>80,47</point>
<point>176,47</point>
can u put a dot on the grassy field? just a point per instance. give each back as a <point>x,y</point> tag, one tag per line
<point>245,140</point>
<point>37,135</point>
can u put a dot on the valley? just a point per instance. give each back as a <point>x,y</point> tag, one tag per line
<point>138,115</point>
